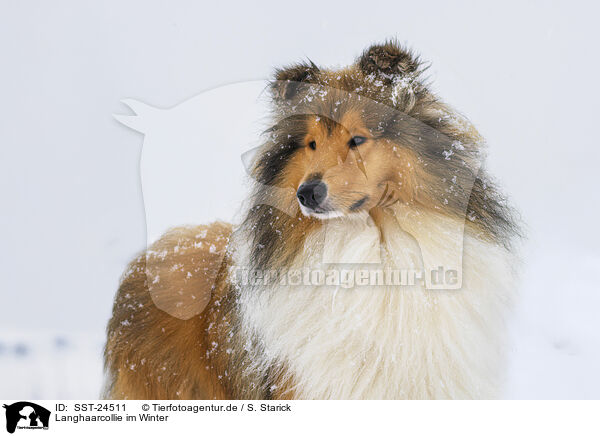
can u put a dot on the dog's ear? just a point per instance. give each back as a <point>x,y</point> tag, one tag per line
<point>288,80</point>
<point>388,59</point>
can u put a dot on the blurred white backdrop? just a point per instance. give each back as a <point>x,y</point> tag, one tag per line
<point>72,209</point>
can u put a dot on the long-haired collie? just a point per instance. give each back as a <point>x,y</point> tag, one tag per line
<point>373,259</point>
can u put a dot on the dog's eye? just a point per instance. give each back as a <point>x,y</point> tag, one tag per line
<point>355,141</point>
<point>312,145</point>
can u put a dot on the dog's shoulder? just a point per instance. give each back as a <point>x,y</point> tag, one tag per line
<point>183,265</point>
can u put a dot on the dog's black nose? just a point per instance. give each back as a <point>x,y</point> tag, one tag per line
<point>312,194</point>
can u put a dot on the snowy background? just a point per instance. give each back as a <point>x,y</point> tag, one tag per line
<point>72,212</point>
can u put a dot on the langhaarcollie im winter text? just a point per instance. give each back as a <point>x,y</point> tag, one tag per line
<point>374,258</point>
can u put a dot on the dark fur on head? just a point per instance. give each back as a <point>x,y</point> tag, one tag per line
<point>388,59</point>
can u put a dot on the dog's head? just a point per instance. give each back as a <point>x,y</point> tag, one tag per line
<point>367,136</point>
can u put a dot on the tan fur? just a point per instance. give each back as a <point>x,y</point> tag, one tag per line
<point>151,353</point>
<point>384,171</point>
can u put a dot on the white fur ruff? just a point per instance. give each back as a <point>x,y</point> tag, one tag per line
<point>385,342</point>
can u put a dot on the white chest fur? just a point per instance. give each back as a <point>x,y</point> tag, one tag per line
<point>385,341</point>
